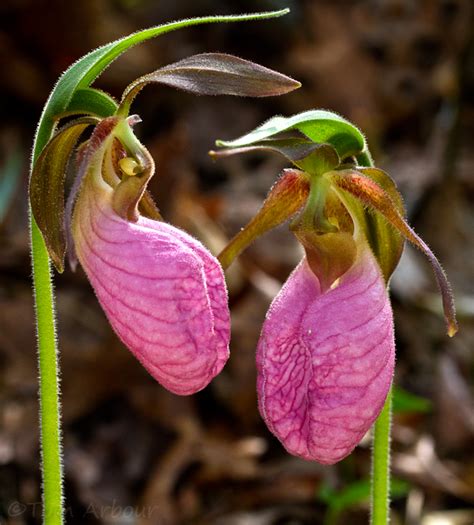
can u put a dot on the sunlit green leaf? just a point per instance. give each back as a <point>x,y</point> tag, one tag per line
<point>307,155</point>
<point>318,125</point>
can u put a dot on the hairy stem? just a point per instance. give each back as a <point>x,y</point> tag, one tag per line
<point>380,473</point>
<point>48,380</point>
<point>380,478</point>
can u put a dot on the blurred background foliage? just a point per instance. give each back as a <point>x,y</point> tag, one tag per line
<point>403,70</point>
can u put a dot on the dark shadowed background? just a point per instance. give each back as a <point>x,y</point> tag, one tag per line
<point>403,70</point>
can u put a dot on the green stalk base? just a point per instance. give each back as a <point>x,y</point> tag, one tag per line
<point>48,381</point>
<point>380,487</point>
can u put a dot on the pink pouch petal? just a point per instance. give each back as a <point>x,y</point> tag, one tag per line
<point>325,360</point>
<point>162,291</point>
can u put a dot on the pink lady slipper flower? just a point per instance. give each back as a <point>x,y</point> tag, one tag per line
<point>325,359</point>
<point>163,292</point>
<point>326,355</point>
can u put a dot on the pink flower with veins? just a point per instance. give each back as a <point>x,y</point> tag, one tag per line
<point>326,359</point>
<point>326,353</point>
<point>162,290</point>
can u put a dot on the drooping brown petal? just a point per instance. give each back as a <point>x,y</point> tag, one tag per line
<point>285,198</point>
<point>47,187</point>
<point>371,194</point>
<point>215,74</point>
<point>385,241</point>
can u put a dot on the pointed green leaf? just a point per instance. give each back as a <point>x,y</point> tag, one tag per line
<point>47,187</point>
<point>285,198</point>
<point>318,125</point>
<point>307,155</point>
<point>373,195</point>
<point>294,148</point>
<point>215,74</point>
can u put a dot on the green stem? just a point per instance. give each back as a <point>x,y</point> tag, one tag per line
<point>49,382</point>
<point>380,474</point>
<point>49,404</point>
<point>380,479</point>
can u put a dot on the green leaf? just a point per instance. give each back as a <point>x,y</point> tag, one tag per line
<point>214,74</point>
<point>47,187</point>
<point>293,148</point>
<point>91,101</point>
<point>318,125</point>
<point>307,155</point>
<point>405,402</point>
<point>83,72</point>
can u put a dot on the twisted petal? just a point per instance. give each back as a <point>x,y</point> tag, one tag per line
<point>162,291</point>
<point>325,360</point>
